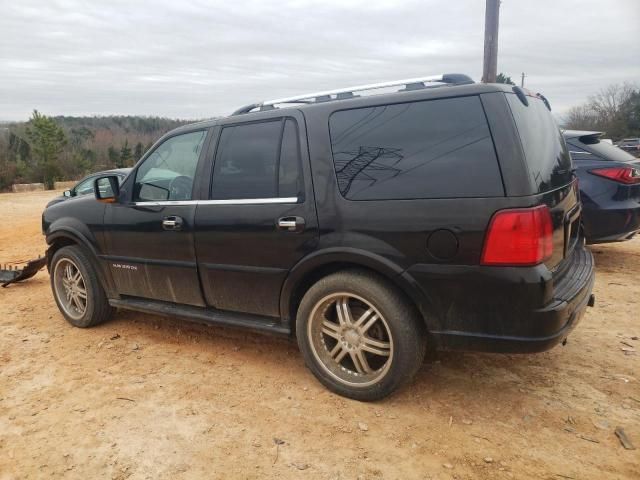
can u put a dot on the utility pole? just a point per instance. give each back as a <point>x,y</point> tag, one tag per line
<point>490,64</point>
<point>522,81</point>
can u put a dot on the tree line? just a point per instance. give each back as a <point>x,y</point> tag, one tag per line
<point>614,110</point>
<point>48,149</point>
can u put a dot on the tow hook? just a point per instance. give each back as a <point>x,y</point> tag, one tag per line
<point>592,300</point>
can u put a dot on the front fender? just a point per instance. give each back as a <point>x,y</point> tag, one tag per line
<point>71,234</point>
<point>71,231</point>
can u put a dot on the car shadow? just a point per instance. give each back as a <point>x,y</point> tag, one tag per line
<point>616,256</point>
<point>443,374</point>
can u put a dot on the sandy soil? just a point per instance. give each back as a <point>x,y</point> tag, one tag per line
<point>146,397</point>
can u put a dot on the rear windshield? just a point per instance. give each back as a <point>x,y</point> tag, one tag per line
<point>546,153</point>
<point>591,146</point>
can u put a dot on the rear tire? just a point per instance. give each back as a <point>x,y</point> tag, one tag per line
<point>359,335</point>
<point>76,288</point>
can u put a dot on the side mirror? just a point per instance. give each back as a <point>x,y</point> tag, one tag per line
<point>67,193</point>
<point>107,189</point>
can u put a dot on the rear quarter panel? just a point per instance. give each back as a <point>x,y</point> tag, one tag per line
<point>398,230</point>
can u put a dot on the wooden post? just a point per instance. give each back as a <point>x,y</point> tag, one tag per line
<point>491,20</point>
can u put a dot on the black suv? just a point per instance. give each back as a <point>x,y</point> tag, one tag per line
<point>444,215</point>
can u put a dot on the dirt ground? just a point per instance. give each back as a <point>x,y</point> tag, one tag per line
<point>146,397</point>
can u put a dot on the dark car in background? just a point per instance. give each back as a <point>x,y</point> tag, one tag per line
<point>609,180</point>
<point>85,186</point>
<point>631,145</point>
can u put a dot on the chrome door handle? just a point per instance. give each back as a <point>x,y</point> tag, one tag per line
<point>287,223</point>
<point>291,224</point>
<point>172,223</point>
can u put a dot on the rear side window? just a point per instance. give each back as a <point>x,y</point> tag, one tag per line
<point>544,148</point>
<point>578,153</point>
<point>258,160</point>
<point>428,149</point>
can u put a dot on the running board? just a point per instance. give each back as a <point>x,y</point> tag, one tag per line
<point>208,316</point>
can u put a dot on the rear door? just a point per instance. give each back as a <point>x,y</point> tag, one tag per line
<point>260,217</point>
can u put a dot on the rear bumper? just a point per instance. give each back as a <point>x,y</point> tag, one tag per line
<point>611,224</point>
<point>612,220</point>
<point>509,325</point>
<point>618,237</point>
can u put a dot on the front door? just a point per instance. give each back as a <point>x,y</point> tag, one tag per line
<point>260,218</point>
<point>150,235</point>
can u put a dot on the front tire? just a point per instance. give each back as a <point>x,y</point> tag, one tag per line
<point>359,335</point>
<point>76,288</point>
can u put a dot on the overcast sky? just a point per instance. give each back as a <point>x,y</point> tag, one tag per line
<point>198,59</point>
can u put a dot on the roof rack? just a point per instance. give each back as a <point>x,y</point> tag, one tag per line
<point>342,93</point>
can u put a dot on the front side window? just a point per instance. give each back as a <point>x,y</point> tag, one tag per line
<point>168,173</point>
<point>257,160</point>
<point>428,149</point>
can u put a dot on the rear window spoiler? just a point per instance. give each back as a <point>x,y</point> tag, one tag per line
<point>591,138</point>
<point>523,93</point>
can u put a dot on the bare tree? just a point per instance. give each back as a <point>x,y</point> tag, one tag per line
<point>608,102</point>
<point>610,110</point>
<point>581,117</point>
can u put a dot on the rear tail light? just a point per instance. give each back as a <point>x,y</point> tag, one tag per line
<point>519,237</point>
<point>626,175</point>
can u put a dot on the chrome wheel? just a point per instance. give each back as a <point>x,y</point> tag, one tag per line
<point>350,339</point>
<point>70,288</point>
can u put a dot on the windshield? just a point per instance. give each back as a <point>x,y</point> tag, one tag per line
<point>544,147</point>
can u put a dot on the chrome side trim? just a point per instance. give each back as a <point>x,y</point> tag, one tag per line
<point>235,201</point>
<point>165,203</point>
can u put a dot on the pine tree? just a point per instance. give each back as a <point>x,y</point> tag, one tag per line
<point>138,151</point>
<point>502,78</point>
<point>125,155</point>
<point>114,156</point>
<point>47,140</point>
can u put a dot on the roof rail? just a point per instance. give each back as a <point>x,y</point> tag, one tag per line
<point>340,93</point>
